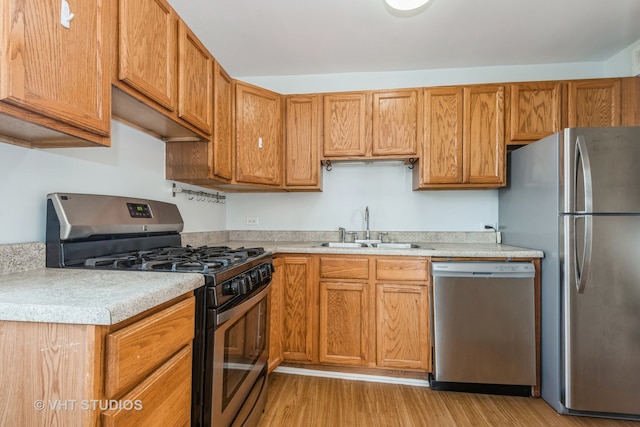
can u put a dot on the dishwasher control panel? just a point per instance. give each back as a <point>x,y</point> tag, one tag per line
<point>480,268</point>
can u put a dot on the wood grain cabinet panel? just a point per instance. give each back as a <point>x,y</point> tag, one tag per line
<point>402,269</point>
<point>346,124</point>
<point>344,268</point>
<point>302,143</point>
<point>258,136</point>
<point>299,309</point>
<point>593,103</point>
<point>343,323</point>
<point>53,76</point>
<point>134,351</point>
<point>402,326</point>
<point>483,135</point>
<point>535,111</point>
<point>222,151</point>
<point>442,150</point>
<point>147,37</point>
<point>397,117</point>
<point>164,398</point>
<point>276,315</point>
<point>195,80</point>
<point>464,144</point>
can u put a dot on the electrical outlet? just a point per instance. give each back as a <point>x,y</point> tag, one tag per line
<point>488,226</point>
<point>253,220</point>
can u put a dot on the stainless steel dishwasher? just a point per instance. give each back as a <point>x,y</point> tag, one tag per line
<point>484,327</point>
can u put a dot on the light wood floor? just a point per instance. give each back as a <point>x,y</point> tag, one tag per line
<point>295,400</point>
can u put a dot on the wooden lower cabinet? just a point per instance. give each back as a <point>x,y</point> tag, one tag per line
<point>134,373</point>
<point>402,326</point>
<point>299,309</point>
<point>344,323</point>
<point>276,354</point>
<point>352,311</point>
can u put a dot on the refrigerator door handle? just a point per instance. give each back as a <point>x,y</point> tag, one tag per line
<point>582,158</point>
<point>582,271</point>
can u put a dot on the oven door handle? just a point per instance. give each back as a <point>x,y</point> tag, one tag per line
<point>242,308</point>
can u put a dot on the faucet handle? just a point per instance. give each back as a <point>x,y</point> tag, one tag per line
<point>382,234</point>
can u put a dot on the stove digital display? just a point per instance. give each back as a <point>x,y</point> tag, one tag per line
<point>139,210</point>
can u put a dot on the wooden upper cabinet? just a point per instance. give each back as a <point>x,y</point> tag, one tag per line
<point>593,103</point>
<point>534,111</point>
<point>483,135</point>
<point>147,49</point>
<point>195,82</point>
<point>346,124</point>
<point>302,143</point>
<point>397,116</point>
<point>441,157</point>
<point>258,136</point>
<point>60,73</point>
<point>463,138</point>
<point>222,153</point>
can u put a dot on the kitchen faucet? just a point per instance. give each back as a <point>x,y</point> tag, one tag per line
<point>366,220</point>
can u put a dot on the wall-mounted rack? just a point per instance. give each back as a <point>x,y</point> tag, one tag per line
<point>200,196</point>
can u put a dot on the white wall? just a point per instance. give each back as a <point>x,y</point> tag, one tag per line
<point>384,187</point>
<point>134,166</point>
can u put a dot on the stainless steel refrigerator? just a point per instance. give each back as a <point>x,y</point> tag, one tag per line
<point>576,196</point>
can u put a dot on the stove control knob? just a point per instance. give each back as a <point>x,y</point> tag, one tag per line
<point>255,275</point>
<point>231,288</point>
<point>247,283</point>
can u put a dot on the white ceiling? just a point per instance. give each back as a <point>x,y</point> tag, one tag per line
<point>295,37</point>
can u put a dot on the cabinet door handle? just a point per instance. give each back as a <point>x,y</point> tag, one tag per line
<point>260,144</point>
<point>65,14</point>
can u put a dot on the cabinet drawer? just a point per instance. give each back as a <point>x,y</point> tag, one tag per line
<point>344,268</point>
<point>164,398</point>
<point>402,269</point>
<point>135,350</point>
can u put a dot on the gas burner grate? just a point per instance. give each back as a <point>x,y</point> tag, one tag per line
<point>204,259</point>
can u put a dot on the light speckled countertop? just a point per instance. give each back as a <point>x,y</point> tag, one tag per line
<point>88,296</point>
<point>30,292</point>
<point>475,250</point>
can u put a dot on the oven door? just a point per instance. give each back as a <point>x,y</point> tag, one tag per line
<point>236,362</point>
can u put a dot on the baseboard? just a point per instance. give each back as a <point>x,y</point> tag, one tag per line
<point>352,376</point>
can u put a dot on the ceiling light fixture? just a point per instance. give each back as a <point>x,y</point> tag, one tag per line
<point>406,5</point>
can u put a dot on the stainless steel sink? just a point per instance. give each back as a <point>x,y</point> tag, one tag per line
<point>397,246</point>
<point>343,245</point>
<point>370,245</point>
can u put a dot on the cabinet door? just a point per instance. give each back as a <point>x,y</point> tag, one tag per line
<point>59,72</point>
<point>147,49</point>
<point>222,153</point>
<point>276,315</point>
<point>163,398</point>
<point>302,143</point>
<point>397,116</point>
<point>343,323</point>
<point>402,326</point>
<point>345,120</point>
<point>299,302</point>
<point>594,103</point>
<point>195,82</point>
<point>534,111</point>
<point>483,135</point>
<point>441,158</point>
<point>258,136</point>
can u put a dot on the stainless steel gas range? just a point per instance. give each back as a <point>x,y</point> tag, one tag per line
<point>230,347</point>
